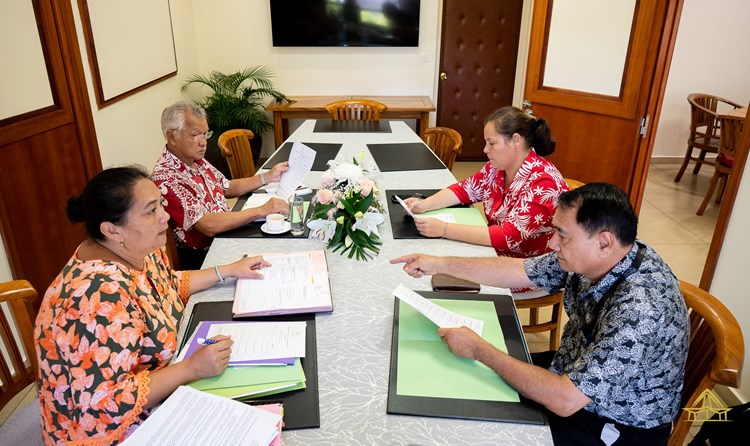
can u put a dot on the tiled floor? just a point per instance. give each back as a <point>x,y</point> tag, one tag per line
<point>667,222</point>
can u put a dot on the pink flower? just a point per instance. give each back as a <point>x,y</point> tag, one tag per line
<point>365,184</point>
<point>324,196</point>
<point>328,177</point>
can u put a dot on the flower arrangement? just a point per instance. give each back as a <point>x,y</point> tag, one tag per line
<point>347,211</point>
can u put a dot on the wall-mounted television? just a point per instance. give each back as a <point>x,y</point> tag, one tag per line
<point>300,23</point>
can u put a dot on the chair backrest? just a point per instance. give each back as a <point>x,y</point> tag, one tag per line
<point>573,184</point>
<point>235,147</point>
<point>445,142</point>
<point>715,356</point>
<point>704,114</point>
<point>731,129</point>
<point>19,368</point>
<point>355,110</point>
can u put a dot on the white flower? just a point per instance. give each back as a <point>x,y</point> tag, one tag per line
<point>369,223</point>
<point>328,177</point>
<point>323,230</point>
<point>347,172</point>
<point>348,241</point>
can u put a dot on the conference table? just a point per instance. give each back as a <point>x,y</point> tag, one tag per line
<point>354,341</point>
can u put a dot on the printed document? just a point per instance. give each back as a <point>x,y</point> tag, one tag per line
<point>263,340</point>
<point>437,314</point>
<point>301,159</point>
<point>296,282</point>
<point>190,417</point>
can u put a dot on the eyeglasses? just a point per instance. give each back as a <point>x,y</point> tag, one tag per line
<point>200,136</point>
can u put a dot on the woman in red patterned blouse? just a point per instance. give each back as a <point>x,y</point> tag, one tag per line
<point>107,327</point>
<point>518,188</point>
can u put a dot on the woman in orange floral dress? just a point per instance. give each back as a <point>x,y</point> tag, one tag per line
<point>107,326</point>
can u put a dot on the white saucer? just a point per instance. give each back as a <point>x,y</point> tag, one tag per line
<point>287,227</point>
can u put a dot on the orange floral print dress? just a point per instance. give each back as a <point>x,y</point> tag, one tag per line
<point>101,329</point>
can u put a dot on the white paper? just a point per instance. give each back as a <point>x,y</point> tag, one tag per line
<point>292,281</point>
<point>190,417</point>
<point>263,340</point>
<point>405,206</point>
<point>301,159</point>
<point>437,314</point>
<point>448,218</point>
<point>256,200</point>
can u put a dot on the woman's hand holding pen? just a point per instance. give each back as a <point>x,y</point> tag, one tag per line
<point>211,360</point>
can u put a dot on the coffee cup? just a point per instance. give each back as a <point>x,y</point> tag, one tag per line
<point>275,222</point>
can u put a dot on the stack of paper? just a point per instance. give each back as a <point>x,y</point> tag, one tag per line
<point>296,282</point>
<point>265,358</point>
<point>190,417</point>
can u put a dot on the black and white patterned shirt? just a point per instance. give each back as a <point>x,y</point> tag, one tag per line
<point>634,366</point>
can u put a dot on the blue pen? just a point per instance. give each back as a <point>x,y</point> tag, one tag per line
<point>202,341</point>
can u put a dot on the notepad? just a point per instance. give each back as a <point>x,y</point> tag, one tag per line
<point>296,282</point>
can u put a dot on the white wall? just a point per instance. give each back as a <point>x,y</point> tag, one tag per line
<point>708,58</point>
<point>129,131</point>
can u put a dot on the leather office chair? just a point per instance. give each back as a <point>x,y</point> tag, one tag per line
<point>731,129</point>
<point>235,147</point>
<point>705,130</point>
<point>445,143</point>
<point>715,356</point>
<point>355,110</point>
<point>555,300</point>
<point>19,368</point>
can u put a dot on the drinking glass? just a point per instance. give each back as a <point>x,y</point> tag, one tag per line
<point>297,215</point>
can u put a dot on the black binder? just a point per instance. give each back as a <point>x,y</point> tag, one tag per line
<point>526,411</point>
<point>404,156</point>
<point>402,224</point>
<point>301,407</point>
<point>324,152</point>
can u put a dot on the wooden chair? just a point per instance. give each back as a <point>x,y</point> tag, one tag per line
<point>715,356</point>
<point>355,110</point>
<point>19,368</point>
<point>235,147</point>
<point>445,142</point>
<point>555,300</point>
<point>705,130</point>
<point>731,129</point>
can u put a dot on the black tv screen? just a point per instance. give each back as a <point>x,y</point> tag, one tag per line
<point>345,22</point>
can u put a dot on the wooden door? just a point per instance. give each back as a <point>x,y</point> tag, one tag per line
<point>478,53</point>
<point>47,144</point>
<point>596,75</point>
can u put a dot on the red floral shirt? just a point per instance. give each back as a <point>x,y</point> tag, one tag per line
<point>519,216</point>
<point>188,194</point>
<point>101,329</point>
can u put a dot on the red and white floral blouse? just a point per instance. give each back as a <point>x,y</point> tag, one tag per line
<point>188,194</point>
<point>519,216</point>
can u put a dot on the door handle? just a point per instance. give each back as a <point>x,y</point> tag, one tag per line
<point>526,104</point>
<point>443,76</point>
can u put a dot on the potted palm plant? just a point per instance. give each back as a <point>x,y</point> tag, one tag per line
<point>237,101</point>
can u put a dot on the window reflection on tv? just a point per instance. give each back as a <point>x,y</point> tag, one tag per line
<point>345,22</point>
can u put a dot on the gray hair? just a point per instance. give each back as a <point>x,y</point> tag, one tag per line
<point>173,117</point>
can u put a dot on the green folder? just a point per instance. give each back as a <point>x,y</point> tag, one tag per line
<point>427,368</point>
<point>250,376</point>
<point>464,216</point>
<point>257,390</point>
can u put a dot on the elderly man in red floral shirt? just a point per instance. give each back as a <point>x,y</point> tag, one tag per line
<point>194,192</point>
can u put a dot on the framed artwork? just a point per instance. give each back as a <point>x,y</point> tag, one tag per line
<point>130,46</point>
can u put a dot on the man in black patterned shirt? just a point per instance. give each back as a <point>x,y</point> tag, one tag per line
<point>617,377</point>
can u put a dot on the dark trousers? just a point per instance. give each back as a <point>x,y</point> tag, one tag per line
<point>191,259</point>
<point>585,428</point>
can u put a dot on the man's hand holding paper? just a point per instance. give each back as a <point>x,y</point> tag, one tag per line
<point>437,314</point>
